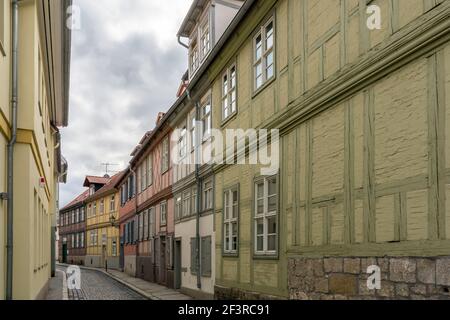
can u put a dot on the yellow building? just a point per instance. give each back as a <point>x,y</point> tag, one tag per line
<point>102,228</point>
<point>34,81</point>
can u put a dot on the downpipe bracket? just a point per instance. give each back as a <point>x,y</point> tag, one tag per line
<point>4,196</point>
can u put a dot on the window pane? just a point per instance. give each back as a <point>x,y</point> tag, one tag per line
<point>271,241</point>
<point>258,46</point>
<point>272,186</point>
<point>272,204</point>
<point>233,77</point>
<point>260,227</point>
<point>259,243</point>
<point>225,85</point>
<point>260,207</point>
<point>260,190</point>
<point>269,36</point>
<point>272,225</point>
<point>269,64</point>
<point>234,229</point>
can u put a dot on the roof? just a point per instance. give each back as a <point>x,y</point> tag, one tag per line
<point>95,180</point>
<point>108,188</point>
<point>193,14</point>
<point>78,200</point>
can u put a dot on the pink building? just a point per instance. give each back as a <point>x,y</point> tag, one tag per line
<point>155,222</point>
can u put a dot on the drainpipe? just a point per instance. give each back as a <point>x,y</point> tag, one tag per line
<point>12,142</point>
<point>197,200</point>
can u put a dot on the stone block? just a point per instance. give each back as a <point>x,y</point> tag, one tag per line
<point>333,265</point>
<point>401,290</point>
<point>419,289</point>
<point>426,271</point>
<point>387,289</point>
<point>321,285</point>
<point>352,265</point>
<point>443,272</point>
<point>343,284</point>
<point>402,270</point>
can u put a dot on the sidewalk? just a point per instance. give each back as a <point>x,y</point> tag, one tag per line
<point>151,291</point>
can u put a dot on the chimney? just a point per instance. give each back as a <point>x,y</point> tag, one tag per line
<point>159,118</point>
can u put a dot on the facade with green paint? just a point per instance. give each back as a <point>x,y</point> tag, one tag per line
<point>364,156</point>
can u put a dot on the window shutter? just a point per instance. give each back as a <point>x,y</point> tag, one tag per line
<point>193,261</point>
<point>206,257</point>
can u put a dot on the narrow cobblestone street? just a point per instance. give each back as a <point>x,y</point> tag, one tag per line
<point>97,286</point>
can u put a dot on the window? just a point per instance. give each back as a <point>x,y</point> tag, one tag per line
<point>165,155</point>
<point>145,218</point>
<point>192,131</point>
<point>143,170</point>
<point>141,227</point>
<point>2,27</point>
<point>82,217</point>
<point>67,218</point>
<point>150,170</point>
<point>77,216</point>
<point>194,200</point>
<point>114,247</point>
<point>163,208</point>
<point>178,207</point>
<point>266,210</point>
<point>73,241</point>
<point>230,221</point>
<point>229,105</point>
<point>193,57</point>
<point>206,117</point>
<point>91,189</point>
<point>82,240</point>
<point>77,240</point>
<point>72,214</point>
<point>186,203</point>
<point>207,195</point>
<point>264,62</point>
<point>205,39</point>
<point>182,144</point>
<point>102,206</point>
<point>94,209</point>
<point>94,238</point>
<point>204,256</point>
<point>61,220</point>
<point>112,204</point>
<point>151,226</point>
<point>89,210</point>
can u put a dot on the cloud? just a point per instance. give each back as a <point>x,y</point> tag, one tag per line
<point>126,67</point>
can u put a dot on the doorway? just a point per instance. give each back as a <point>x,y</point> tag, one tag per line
<point>64,253</point>
<point>177,258</point>
<point>162,262</point>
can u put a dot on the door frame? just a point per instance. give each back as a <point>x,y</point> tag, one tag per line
<point>178,262</point>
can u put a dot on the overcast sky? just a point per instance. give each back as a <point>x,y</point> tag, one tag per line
<point>126,67</point>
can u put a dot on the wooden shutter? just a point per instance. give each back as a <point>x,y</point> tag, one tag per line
<point>206,256</point>
<point>193,260</point>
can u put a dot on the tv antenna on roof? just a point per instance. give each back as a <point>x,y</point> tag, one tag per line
<point>107,165</point>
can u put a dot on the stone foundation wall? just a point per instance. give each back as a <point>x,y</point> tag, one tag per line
<point>225,293</point>
<point>346,278</point>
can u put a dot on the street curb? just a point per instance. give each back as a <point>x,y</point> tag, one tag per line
<point>135,289</point>
<point>65,293</point>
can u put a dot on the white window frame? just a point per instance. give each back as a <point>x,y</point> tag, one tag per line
<point>228,220</point>
<point>265,52</point>
<point>112,203</point>
<point>163,213</point>
<point>149,167</point>
<point>102,207</point>
<point>228,90</point>
<point>207,195</point>
<point>194,56</point>
<point>165,155</point>
<point>179,206</point>
<point>186,203</point>
<point>206,116</point>
<point>204,30</point>
<point>182,144</point>
<point>192,126</point>
<point>265,216</point>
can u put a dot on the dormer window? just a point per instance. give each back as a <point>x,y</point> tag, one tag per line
<point>205,37</point>
<point>193,56</point>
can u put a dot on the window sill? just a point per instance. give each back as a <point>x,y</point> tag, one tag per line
<point>230,255</point>
<point>265,256</point>
<point>229,119</point>
<point>256,92</point>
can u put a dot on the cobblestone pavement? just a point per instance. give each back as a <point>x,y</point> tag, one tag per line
<point>97,286</point>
